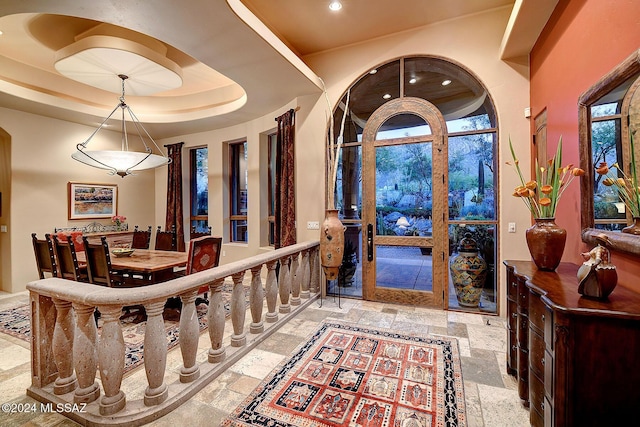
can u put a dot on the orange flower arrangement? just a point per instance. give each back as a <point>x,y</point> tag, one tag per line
<point>542,195</point>
<point>626,186</point>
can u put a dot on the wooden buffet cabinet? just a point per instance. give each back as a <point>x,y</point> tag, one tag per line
<point>577,359</point>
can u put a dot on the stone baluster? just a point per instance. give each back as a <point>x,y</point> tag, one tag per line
<point>272,293</point>
<point>304,283</point>
<point>296,279</point>
<point>256,301</point>
<point>62,341</point>
<point>238,311</point>
<point>84,354</point>
<point>155,354</point>
<point>189,335</point>
<point>111,352</point>
<point>284,283</point>
<point>216,320</point>
<point>314,267</point>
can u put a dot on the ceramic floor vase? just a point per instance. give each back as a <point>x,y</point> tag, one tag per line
<point>468,272</point>
<point>331,244</point>
<point>546,241</point>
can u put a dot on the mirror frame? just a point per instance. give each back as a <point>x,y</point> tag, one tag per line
<point>618,241</point>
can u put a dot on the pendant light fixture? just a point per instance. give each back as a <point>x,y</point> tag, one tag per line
<point>123,162</point>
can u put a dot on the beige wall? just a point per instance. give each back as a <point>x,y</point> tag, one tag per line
<point>473,42</point>
<point>41,168</point>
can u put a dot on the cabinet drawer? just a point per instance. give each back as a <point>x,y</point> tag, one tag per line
<point>523,297</point>
<point>536,353</point>
<point>512,323</point>
<point>548,374</point>
<point>536,395</point>
<point>539,314</point>
<point>512,290</point>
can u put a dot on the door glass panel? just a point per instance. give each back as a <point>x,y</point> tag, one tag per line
<point>471,177</point>
<point>414,272</point>
<point>404,190</point>
<point>403,126</point>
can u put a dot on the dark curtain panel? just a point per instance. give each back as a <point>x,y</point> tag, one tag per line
<point>285,206</point>
<point>174,193</point>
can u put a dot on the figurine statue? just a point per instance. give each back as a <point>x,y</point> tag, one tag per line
<point>597,277</point>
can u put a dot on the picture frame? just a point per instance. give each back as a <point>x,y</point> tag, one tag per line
<point>91,200</point>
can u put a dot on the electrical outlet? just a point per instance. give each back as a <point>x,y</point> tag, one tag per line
<point>313,225</point>
<point>3,228</point>
<point>512,227</point>
<point>224,253</point>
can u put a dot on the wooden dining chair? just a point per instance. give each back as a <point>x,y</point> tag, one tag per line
<point>45,256</point>
<point>204,253</point>
<point>68,266</point>
<point>166,240</point>
<point>141,238</point>
<point>194,234</point>
<point>99,267</point>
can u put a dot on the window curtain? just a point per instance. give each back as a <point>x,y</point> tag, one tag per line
<point>175,215</point>
<point>285,203</point>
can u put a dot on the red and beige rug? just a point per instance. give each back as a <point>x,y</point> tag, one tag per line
<point>350,375</point>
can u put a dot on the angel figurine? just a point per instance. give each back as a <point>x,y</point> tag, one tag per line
<point>597,277</point>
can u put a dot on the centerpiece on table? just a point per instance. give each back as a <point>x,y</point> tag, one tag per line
<point>119,221</point>
<point>627,188</point>
<point>545,238</point>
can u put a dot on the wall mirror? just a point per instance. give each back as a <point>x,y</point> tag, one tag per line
<point>607,113</point>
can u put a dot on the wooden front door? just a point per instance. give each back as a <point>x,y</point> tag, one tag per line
<point>405,219</point>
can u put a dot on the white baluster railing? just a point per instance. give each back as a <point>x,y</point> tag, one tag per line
<point>67,351</point>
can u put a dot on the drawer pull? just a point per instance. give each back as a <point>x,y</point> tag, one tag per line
<point>514,284</point>
<point>542,406</point>
<point>543,317</point>
<point>514,315</point>
<point>542,361</point>
<point>514,347</point>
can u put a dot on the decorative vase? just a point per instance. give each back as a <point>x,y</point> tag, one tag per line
<point>468,272</point>
<point>634,228</point>
<point>546,243</point>
<point>331,244</point>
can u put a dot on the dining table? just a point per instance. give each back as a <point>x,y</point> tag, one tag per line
<point>146,266</point>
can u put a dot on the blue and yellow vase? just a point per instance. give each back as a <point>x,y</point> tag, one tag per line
<point>468,272</point>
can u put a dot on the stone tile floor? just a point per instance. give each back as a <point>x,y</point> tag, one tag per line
<point>491,395</point>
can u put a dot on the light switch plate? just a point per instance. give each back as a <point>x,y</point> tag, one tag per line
<point>313,225</point>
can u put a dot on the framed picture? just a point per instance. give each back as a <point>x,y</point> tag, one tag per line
<point>90,201</point>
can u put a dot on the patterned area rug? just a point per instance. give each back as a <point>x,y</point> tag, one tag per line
<point>349,375</point>
<point>16,322</point>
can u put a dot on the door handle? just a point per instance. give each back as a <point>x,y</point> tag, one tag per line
<point>369,242</point>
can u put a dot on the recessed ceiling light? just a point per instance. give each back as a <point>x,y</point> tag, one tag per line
<point>373,71</point>
<point>446,82</point>
<point>335,5</point>
<point>386,96</point>
<point>413,80</point>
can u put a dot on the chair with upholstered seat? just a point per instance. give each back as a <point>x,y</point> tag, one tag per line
<point>141,238</point>
<point>99,264</point>
<point>204,253</point>
<point>166,240</point>
<point>68,266</point>
<point>45,256</point>
<point>194,234</point>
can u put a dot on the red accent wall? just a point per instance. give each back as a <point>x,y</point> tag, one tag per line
<point>583,40</point>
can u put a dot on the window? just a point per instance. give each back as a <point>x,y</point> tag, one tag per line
<point>238,180</point>
<point>272,156</point>
<point>199,188</point>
